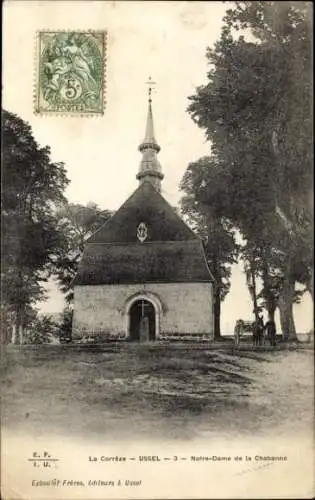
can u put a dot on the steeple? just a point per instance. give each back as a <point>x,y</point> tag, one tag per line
<point>150,168</point>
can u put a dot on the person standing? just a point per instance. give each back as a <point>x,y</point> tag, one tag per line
<point>271,331</point>
<point>255,333</point>
<point>260,329</point>
<point>238,330</point>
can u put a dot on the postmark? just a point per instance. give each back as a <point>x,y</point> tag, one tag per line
<point>70,77</point>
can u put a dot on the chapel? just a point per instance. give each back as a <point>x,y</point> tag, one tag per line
<point>143,275</point>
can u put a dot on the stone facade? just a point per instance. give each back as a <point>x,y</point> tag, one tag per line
<point>183,310</point>
<point>171,295</point>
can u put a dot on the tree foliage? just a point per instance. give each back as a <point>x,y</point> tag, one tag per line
<point>203,206</point>
<point>32,186</point>
<point>41,330</point>
<point>76,223</point>
<point>65,328</point>
<point>256,111</point>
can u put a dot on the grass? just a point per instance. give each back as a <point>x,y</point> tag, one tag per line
<point>161,391</point>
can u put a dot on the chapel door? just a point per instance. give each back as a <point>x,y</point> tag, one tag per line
<point>142,321</point>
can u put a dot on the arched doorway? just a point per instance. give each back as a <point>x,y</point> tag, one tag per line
<point>142,324</point>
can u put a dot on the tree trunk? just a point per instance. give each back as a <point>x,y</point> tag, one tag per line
<point>271,310</point>
<point>21,334</point>
<point>217,299</point>
<point>270,300</point>
<point>217,313</point>
<point>286,310</point>
<point>310,286</point>
<point>14,334</point>
<point>253,289</point>
<point>17,326</point>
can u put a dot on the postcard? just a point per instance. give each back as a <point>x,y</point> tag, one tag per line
<point>157,275</point>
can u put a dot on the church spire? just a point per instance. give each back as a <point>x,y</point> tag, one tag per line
<point>150,168</point>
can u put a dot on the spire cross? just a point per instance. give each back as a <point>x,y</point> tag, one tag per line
<point>150,82</point>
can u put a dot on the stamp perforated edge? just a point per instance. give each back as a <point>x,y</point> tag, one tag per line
<point>67,114</point>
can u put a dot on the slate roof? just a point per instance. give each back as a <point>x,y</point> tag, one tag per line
<point>171,253</point>
<point>155,262</point>
<point>148,206</point>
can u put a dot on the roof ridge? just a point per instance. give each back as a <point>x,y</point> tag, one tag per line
<point>206,262</point>
<point>189,228</point>
<point>110,218</point>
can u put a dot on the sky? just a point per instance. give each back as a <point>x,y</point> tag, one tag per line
<point>166,40</point>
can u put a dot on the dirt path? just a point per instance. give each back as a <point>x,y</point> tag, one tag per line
<point>158,392</point>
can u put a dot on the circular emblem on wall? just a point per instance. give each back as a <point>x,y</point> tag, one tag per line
<point>142,232</point>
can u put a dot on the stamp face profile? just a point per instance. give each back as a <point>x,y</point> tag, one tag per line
<point>70,72</point>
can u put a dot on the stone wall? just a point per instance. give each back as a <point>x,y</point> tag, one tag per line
<point>182,310</point>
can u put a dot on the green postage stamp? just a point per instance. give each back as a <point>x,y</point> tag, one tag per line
<point>70,75</point>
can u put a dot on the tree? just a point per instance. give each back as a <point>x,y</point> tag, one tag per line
<point>76,223</point>
<point>32,186</point>
<point>204,215</point>
<point>256,112</point>
<point>65,329</point>
<point>41,331</point>
<point>250,258</point>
